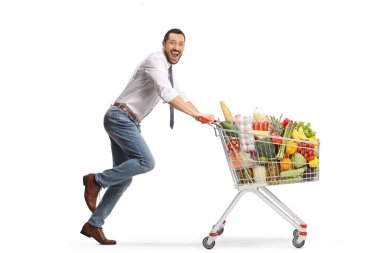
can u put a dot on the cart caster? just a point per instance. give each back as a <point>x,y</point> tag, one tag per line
<point>295,232</point>
<point>206,245</point>
<point>220,231</point>
<point>296,243</point>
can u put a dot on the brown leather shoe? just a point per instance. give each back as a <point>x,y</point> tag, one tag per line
<point>91,191</point>
<point>97,233</point>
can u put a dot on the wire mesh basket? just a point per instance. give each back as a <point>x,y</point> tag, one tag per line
<point>256,159</point>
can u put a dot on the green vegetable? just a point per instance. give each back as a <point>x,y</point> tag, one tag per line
<point>293,173</point>
<point>306,129</point>
<point>265,147</point>
<point>231,129</point>
<point>287,133</point>
<point>298,160</point>
<point>289,180</point>
<point>263,160</point>
<point>245,159</point>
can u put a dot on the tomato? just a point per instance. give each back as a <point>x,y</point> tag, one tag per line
<point>298,149</point>
<point>233,145</point>
<point>275,138</point>
<point>256,126</point>
<point>266,125</point>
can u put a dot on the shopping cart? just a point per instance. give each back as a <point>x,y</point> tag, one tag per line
<point>255,162</point>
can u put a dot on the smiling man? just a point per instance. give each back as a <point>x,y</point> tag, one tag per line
<point>153,81</point>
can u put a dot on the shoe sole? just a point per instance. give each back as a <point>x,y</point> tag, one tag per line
<point>89,236</point>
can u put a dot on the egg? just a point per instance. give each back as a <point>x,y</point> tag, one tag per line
<point>247,128</point>
<point>244,148</point>
<point>246,120</point>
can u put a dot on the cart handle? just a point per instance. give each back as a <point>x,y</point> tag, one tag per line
<point>215,124</point>
<point>203,120</point>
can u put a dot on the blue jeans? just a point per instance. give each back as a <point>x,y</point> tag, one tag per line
<point>131,156</point>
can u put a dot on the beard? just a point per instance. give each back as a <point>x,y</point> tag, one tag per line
<point>167,54</point>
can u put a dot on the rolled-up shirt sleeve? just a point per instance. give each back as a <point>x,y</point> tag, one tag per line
<point>157,71</point>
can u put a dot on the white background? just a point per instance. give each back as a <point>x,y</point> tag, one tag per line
<point>63,63</point>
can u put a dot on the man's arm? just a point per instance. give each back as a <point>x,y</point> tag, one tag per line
<point>189,108</point>
<point>192,106</point>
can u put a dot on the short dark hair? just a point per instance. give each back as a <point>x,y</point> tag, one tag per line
<point>174,30</point>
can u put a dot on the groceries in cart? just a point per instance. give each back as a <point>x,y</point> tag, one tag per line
<point>269,150</point>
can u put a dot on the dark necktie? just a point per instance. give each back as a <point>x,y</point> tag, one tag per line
<point>171,107</point>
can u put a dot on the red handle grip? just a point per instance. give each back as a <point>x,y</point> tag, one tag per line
<point>203,120</point>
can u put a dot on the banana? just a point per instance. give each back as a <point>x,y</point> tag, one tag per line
<point>302,134</point>
<point>295,134</point>
<point>315,140</point>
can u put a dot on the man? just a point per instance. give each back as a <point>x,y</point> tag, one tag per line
<point>152,81</point>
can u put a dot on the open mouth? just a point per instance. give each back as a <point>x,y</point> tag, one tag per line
<point>174,55</point>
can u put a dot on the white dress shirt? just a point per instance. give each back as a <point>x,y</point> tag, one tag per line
<point>150,84</point>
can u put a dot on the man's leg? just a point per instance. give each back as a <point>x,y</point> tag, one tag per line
<point>108,202</point>
<point>126,134</point>
<point>114,192</point>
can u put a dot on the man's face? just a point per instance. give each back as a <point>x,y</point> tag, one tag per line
<point>174,47</point>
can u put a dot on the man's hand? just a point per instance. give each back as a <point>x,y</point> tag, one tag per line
<point>209,117</point>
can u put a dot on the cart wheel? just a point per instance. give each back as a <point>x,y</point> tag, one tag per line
<point>295,232</point>
<point>206,245</point>
<point>296,244</point>
<point>220,231</point>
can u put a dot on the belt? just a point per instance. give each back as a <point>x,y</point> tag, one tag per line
<point>126,109</point>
